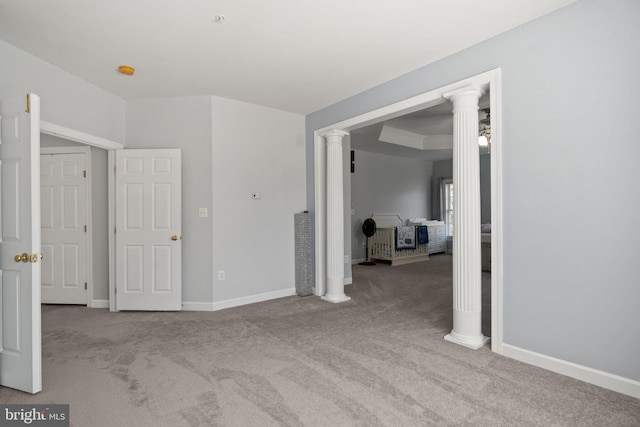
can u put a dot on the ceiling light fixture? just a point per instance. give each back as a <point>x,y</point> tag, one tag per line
<point>219,18</point>
<point>126,70</point>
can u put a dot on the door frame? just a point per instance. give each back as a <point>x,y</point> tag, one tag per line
<point>110,146</point>
<point>86,151</point>
<point>490,80</point>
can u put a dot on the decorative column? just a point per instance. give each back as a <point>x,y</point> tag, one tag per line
<point>467,274</point>
<point>335,218</point>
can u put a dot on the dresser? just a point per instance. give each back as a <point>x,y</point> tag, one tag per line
<point>437,238</point>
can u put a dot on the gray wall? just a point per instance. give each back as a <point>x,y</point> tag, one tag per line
<point>386,184</point>
<point>262,148</point>
<point>183,123</point>
<point>255,149</point>
<point>571,80</point>
<point>65,99</point>
<point>68,101</point>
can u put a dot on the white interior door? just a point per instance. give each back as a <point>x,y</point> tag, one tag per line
<point>20,338</point>
<point>63,196</point>
<point>148,230</point>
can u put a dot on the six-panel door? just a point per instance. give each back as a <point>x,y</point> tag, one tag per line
<point>20,333</point>
<point>148,230</point>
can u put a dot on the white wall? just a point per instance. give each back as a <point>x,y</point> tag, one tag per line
<point>255,149</point>
<point>183,123</point>
<point>387,184</point>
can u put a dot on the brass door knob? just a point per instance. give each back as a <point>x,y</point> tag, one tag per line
<point>174,237</point>
<point>24,258</point>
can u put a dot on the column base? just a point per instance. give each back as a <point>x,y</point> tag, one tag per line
<point>473,343</point>
<point>336,298</point>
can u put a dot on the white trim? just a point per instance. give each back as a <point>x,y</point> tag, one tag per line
<point>497,260</point>
<point>320,161</point>
<point>488,80</point>
<point>357,261</point>
<point>110,146</point>
<point>348,281</point>
<point>86,152</point>
<point>77,136</point>
<point>111,224</point>
<point>573,370</point>
<point>236,302</point>
<point>100,303</point>
<point>197,306</point>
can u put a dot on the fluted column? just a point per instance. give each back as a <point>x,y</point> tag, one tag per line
<point>467,274</point>
<point>335,218</point>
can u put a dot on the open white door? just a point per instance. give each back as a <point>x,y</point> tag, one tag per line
<point>148,230</point>
<point>20,333</point>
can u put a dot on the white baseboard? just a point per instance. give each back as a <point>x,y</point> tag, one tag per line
<point>348,280</point>
<point>221,305</point>
<point>357,261</point>
<point>593,376</point>
<point>197,306</point>
<point>99,303</point>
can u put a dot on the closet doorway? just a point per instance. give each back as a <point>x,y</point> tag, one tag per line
<point>65,201</point>
<point>74,194</point>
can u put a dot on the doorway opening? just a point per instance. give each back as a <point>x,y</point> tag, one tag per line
<point>74,207</point>
<point>490,83</point>
<point>404,166</point>
<point>100,295</point>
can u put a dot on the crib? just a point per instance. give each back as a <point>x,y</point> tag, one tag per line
<point>382,245</point>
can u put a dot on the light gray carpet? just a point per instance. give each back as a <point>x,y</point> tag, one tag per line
<point>377,360</point>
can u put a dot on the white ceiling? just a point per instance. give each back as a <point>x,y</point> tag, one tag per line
<point>294,55</point>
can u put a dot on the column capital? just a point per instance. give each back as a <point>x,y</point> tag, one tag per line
<point>467,96</point>
<point>335,133</point>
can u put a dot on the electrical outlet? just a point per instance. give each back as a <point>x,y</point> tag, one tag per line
<point>203,212</point>
<point>346,259</point>
<point>221,275</point>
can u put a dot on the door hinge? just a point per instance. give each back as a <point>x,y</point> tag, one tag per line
<point>28,110</point>
<point>85,228</point>
<point>85,173</point>
<point>85,286</point>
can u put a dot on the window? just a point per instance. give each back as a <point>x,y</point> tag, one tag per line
<point>447,204</point>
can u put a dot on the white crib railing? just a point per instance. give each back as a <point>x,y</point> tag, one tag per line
<point>382,246</point>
